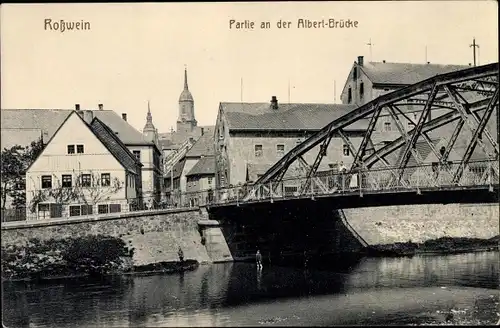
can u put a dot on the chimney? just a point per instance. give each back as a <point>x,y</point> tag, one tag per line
<point>77,106</point>
<point>100,106</point>
<point>88,115</point>
<point>124,116</point>
<point>202,131</point>
<point>428,62</point>
<point>274,102</point>
<point>383,61</point>
<point>360,60</point>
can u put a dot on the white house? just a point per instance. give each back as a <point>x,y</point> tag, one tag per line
<point>84,169</point>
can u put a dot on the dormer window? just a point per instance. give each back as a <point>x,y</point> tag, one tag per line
<point>349,95</point>
<point>355,73</point>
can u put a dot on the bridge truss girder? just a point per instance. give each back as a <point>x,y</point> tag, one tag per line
<point>447,93</point>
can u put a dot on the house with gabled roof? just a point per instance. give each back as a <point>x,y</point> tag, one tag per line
<point>22,126</point>
<point>84,169</point>
<point>253,136</point>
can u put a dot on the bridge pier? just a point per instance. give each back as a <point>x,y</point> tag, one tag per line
<point>214,241</point>
<point>286,231</point>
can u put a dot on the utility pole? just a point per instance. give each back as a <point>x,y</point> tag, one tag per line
<point>334,91</point>
<point>474,45</point>
<point>370,44</point>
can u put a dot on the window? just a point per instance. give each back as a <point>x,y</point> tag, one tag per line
<point>387,126</point>
<point>349,95</point>
<point>115,208</point>
<point>361,89</point>
<point>71,149</point>
<point>137,154</point>
<point>280,150</point>
<point>86,209</point>
<point>345,150</point>
<point>49,210</point>
<point>75,210</point>
<point>86,180</point>
<point>210,180</point>
<point>354,73</point>
<point>105,179</point>
<point>46,181</point>
<point>102,209</point>
<point>66,180</point>
<point>79,149</point>
<point>258,150</point>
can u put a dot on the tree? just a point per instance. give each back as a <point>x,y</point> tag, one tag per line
<point>15,162</point>
<point>90,192</point>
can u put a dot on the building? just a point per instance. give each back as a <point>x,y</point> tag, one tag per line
<point>368,80</point>
<point>200,181</point>
<point>187,126</point>
<point>84,169</point>
<point>251,137</point>
<point>22,126</point>
<point>201,149</point>
<point>150,155</point>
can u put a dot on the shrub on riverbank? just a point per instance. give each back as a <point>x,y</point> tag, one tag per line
<point>89,255</point>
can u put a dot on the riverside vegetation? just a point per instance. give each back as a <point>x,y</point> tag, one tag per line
<point>75,257</point>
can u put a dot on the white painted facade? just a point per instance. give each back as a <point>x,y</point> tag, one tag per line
<point>95,159</point>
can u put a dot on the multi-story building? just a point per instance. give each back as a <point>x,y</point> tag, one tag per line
<point>83,169</point>
<point>22,126</point>
<point>251,137</point>
<point>369,80</point>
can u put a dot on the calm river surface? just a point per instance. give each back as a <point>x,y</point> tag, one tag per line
<point>420,290</point>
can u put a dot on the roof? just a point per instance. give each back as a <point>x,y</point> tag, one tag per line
<point>205,166</point>
<point>204,146</point>
<point>114,145</point>
<point>49,120</point>
<point>405,73</point>
<point>288,117</point>
<point>177,169</point>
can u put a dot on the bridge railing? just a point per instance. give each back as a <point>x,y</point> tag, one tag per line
<point>476,173</point>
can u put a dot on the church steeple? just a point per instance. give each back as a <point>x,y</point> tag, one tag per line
<point>186,94</point>
<point>149,127</point>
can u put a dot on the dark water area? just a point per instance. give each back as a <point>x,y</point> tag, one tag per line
<point>460,289</point>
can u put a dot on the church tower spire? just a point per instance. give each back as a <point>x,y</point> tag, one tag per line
<point>149,130</point>
<point>186,121</point>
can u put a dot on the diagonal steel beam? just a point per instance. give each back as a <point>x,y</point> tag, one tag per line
<point>322,152</point>
<point>466,114</point>
<point>371,127</point>
<point>452,141</point>
<point>308,167</point>
<point>475,138</point>
<point>416,131</point>
<point>429,126</point>
<point>346,140</point>
<point>426,137</point>
<point>403,133</point>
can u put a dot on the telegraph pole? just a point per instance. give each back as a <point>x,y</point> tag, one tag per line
<point>370,44</point>
<point>474,45</point>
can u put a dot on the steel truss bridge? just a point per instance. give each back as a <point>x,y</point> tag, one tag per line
<point>465,101</point>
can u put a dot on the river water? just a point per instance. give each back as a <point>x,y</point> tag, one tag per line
<point>461,289</point>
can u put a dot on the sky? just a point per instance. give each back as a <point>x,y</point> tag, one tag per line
<point>136,52</point>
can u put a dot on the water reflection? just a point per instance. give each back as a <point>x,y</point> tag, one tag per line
<point>220,294</point>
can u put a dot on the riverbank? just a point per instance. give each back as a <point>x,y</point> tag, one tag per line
<point>442,246</point>
<point>88,256</point>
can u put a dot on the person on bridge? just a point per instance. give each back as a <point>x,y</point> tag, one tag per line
<point>342,170</point>
<point>258,259</point>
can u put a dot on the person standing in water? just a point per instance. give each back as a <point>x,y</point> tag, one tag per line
<point>258,258</point>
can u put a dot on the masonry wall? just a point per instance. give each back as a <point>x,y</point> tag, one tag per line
<point>155,238</point>
<point>418,223</point>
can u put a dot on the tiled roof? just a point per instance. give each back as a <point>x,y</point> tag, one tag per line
<point>405,73</point>
<point>288,117</point>
<point>114,145</point>
<point>204,146</point>
<point>177,169</point>
<point>205,166</point>
<point>49,120</point>
<point>166,144</point>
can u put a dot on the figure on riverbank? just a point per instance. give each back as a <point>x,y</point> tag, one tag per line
<point>181,255</point>
<point>258,258</point>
